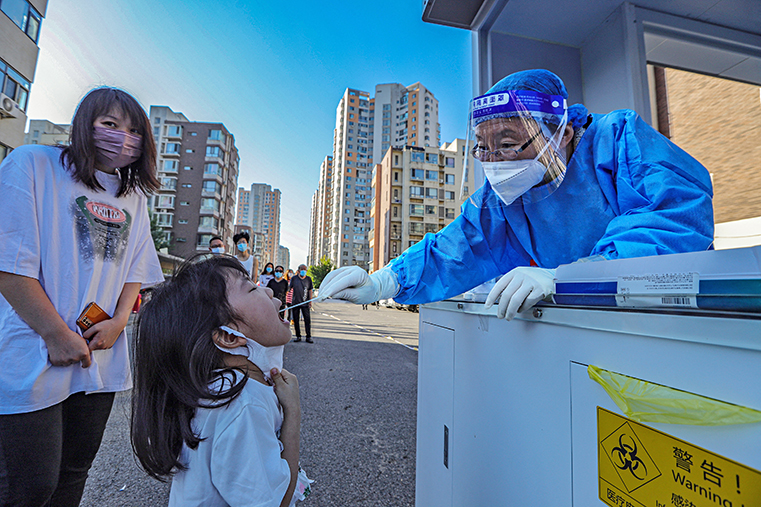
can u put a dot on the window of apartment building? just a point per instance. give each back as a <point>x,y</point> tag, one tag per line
<point>450,212</point>
<point>215,135</point>
<point>432,193</point>
<point>163,201</point>
<point>203,239</point>
<point>180,240</point>
<point>164,219</point>
<point>157,120</point>
<point>417,156</point>
<point>169,166</point>
<point>211,186</point>
<point>184,203</point>
<point>182,221</point>
<point>168,183</point>
<point>209,204</point>
<point>450,161</point>
<point>417,174</point>
<point>416,210</point>
<point>172,148</point>
<point>13,85</point>
<point>187,185</point>
<point>430,210</point>
<point>208,222</point>
<point>188,168</point>
<point>173,130</point>
<point>212,168</point>
<point>189,150</point>
<point>24,16</point>
<point>449,179</point>
<point>156,131</point>
<point>432,175</point>
<point>449,195</point>
<point>194,133</point>
<point>416,191</point>
<point>213,151</point>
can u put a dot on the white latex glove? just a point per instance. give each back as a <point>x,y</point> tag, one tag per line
<point>520,289</point>
<point>352,283</point>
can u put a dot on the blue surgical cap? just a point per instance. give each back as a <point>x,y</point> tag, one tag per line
<point>543,81</point>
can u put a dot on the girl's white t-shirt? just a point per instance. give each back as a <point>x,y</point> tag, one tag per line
<point>238,463</point>
<point>83,246</point>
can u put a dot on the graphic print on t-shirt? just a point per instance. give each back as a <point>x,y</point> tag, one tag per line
<point>102,229</point>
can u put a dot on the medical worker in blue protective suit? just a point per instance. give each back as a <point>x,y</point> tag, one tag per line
<point>562,185</point>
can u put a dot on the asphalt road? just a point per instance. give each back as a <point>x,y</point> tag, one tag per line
<point>358,400</point>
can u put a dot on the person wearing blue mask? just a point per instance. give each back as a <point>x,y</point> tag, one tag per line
<point>243,252</point>
<point>302,287</point>
<point>562,186</point>
<point>268,273</point>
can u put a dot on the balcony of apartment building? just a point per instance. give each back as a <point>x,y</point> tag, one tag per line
<point>171,150</point>
<point>173,132</point>
<point>215,154</point>
<point>212,171</point>
<point>168,184</point>
<point>212,189</point>
<point>168,166</point>
<point>210,206</point>
<point>163,202</point>
<point>208,225</point>
<point>395,232</point>
<point>216,138</point>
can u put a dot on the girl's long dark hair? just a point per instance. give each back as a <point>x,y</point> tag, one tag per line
<point>79,156</point>
<point>176,361</point>
<point>264,271</point>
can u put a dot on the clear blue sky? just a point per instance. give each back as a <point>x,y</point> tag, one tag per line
<point>272,72</point>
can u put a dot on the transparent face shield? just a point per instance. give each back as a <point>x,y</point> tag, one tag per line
<point>514,142</point>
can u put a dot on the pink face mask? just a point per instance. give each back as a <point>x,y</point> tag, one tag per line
<point>116,149</point>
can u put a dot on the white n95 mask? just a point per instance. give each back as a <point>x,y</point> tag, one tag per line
<point>511,179</point>
<point>265,358</point>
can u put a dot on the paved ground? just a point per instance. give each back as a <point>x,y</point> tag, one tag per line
<point>358,400</point>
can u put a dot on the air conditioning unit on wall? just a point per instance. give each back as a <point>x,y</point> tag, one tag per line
<point>7,107</point>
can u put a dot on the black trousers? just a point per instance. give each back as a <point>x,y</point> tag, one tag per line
<point>304,310</point>
<point>45,455</point>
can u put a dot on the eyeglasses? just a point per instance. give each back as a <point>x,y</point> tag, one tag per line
<point>482,154</point>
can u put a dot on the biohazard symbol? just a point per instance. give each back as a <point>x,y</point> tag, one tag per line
<point>625,457</point>
<point>629,458</point>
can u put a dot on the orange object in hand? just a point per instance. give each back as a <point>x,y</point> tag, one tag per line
<point>91,315</point>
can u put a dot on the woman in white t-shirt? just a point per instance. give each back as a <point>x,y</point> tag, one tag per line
<point>243,252</point>
<point>75,231</point>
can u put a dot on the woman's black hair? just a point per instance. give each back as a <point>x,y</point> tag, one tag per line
<point>176,361</point>
<point>242,235</point>
<point>79,156</point>
<point>264,271</point>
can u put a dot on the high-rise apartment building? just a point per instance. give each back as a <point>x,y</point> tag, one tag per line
<point>47,133</point>
<point>198,169</point>
<point>259,208</point>
<point>365,128</point>
<point>20,22</point>
<point>321,219</point>
<point>283,257</point>
<point>417,191</point>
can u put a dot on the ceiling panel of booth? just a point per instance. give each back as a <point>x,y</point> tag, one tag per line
<point>572,22</point>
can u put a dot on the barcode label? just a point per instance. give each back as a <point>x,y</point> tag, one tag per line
<point>676,301</point>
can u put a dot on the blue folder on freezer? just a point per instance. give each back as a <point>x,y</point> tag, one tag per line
<point>712,280</point>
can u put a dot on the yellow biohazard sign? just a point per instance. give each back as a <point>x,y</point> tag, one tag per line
<point>643,467</point>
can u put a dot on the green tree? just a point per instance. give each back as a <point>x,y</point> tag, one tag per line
<point>318,271</point>
<point>157,233</point>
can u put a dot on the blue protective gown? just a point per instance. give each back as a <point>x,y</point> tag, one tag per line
<point>628,192</point>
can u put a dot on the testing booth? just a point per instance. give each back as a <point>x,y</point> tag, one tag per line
<point>639,384</point>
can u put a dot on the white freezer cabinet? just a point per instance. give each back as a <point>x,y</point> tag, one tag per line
<point>507,414</point>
